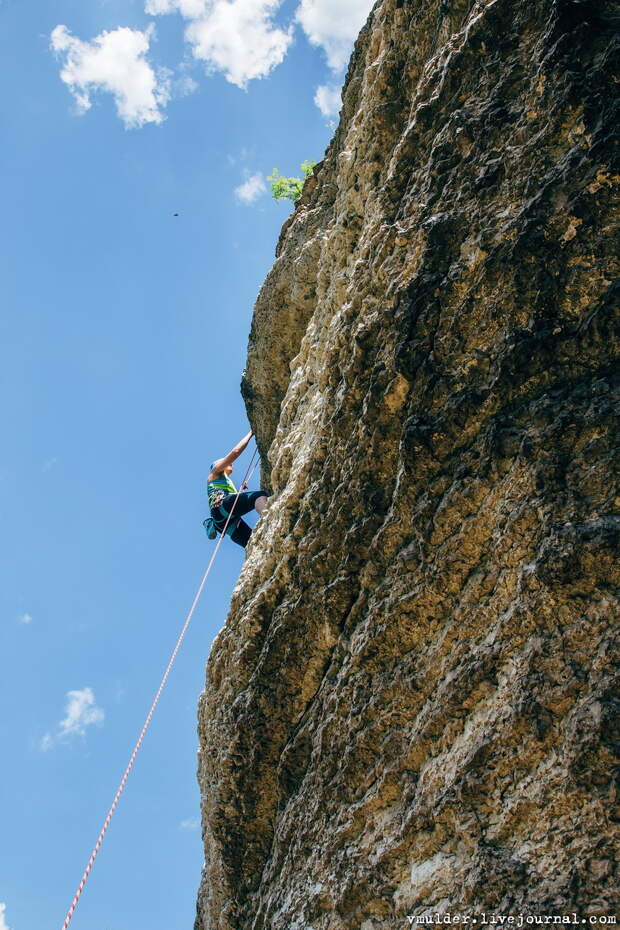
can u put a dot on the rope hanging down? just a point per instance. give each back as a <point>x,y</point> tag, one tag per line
<point>251,469</point>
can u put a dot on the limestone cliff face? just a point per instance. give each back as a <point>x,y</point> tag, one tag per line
<point>412,705</point>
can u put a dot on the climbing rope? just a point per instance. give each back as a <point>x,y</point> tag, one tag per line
<point>251,469</point>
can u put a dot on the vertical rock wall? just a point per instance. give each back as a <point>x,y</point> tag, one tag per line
<point>412,705</point>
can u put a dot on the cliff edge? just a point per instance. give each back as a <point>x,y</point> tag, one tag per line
<point>412,706</point>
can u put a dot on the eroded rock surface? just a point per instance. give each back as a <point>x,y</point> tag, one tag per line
<point>412,706</point>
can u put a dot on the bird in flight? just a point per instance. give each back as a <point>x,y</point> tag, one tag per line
<point>175,214</point>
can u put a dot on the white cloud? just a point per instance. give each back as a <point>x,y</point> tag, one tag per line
<point>114,62</point>
<point>328,99</point>
<point>333,25</point>
<point>251,190</point>
<point>239,38</point>
<point>3,923</point>
<point>26,619</point>
<point>236,37</point>
<point>81,712</point>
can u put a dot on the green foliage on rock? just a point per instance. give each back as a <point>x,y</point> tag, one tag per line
<point>290,188</point>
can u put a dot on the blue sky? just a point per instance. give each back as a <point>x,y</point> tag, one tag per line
<point>123,336</point>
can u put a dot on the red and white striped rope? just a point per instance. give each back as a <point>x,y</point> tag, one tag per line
<point>251,469</point>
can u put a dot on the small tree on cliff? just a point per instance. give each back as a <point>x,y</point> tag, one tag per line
<point>290,188</point>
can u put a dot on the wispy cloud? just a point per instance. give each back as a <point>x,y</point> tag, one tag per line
<point>3,923</point>
<point>243,156</point>
<point>114,62</point>
<point>184,86</point>
<point>328,99</point>
<point>81,713</point>
<point>119,692</point>
<point>249,192</point>
<point>25,619</point>
<point>192,823</point>
<point>191,9</point>
<point>49,464</point>
<point>333,25</point>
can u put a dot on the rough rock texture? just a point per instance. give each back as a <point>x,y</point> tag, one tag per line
<point>412,705</point>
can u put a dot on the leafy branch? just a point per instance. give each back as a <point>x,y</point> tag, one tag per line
<point>290,188</point>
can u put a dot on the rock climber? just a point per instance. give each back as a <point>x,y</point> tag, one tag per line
<point>223,494</point>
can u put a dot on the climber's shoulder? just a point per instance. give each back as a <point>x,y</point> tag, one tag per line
<point>216,469</point>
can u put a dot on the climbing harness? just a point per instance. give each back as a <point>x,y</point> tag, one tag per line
<point>251,469</point>
<point>217,498</point>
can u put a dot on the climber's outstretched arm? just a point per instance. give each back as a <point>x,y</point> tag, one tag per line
<point>221,464</point>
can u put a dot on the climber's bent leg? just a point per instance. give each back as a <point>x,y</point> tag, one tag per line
<point>241,533</point>
<point>245,502</point>
<point>261,502</point>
